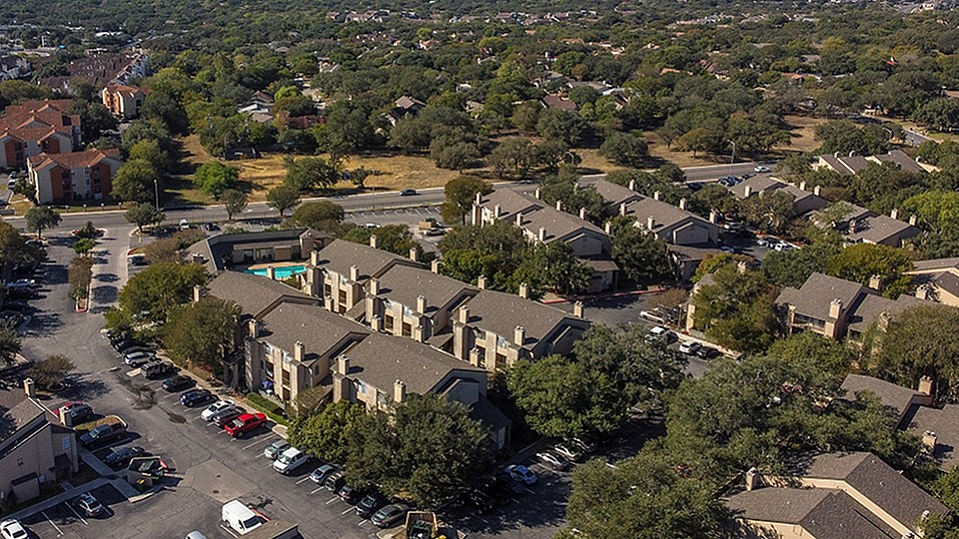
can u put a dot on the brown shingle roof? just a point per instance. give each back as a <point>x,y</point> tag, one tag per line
<point>664,215</point>
<point>894,396</point>
<point>404,284</point>
<point>537,214</point>
<point>320,330</point>
<point>253,293</point>
<point>338,256</point>
<point>872,306</point>
<point>945,423</point>
<point>815,295</point>
<point>612,193</point>
<point>500,313</point>
<point>902,161</point>
<point>880,228</point>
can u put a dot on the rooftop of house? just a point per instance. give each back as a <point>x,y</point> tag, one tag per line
<point>500,313</point>
<point>664,214</point>
<point>872,306</point>
<point>823,513</point>
<point>935,264</point>
<point>944,422</point>
<point>380,360</point>
<point>558,103</point>
<point>98,69</point>
<point>537,214</point>
<point>83,159</point>
<point>404,284</point>
<point>254,294</point>
<point>16,410</point>
<point>612,193</point>
<point>819,290</point>
<point>949,282</point>
<point>901,160</point>
<point>339,256</point>
<point>37,119</point>
<point>846,165</point>
<point>878,229</point>
<point>406,102</point>
<point>756,184</point>
<point>320,330</point>
<point>127,89</point>
<point>899,398</point>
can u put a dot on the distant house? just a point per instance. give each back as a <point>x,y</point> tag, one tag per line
<point>260,108</point>
<point>100,69</point>
<point>833,496</point>
<point>404,107</point>
<point>66,178</point>
<point>35,127</point>
<point>860,225</point>
<point>13,67</point>
<point>804,201</point>
<point>853,164</point>
<point>124,101</point>
<point>556,102</point>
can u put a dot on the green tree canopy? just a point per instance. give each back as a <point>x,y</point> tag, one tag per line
<point>643,257</point>
<point>144,214</point>
<point>324,434</point>
<point>214,177</point>
<point>860,262</point>
<point>319,215</point>
<point>460,193</point>
<point>235,202</point>
<point>152,293</point>
<point>625,149</point>
<point>40,218</point>
<point>310,173</point>
<point>282,198</point>
<point>135,181</point>
<point>736,309</point>
<point>202,332</point>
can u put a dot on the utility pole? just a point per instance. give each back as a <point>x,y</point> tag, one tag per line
<point>156,193</point>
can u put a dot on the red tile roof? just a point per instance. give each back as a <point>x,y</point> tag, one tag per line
<point>35,120</point>
<point>86,158</point>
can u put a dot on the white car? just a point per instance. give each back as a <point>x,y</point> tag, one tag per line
<point>689,347</point>
<point>783,246</point>
<point>290,460</point>
<point>215,408</point>
<point>762,168</point>
<point>12,529</point>
<point>138,358</point>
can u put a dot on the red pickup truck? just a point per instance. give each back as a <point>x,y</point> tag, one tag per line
<point>244,423</point>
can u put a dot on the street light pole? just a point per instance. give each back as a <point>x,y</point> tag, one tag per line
<point>733,161</point>
<point>156,193</point>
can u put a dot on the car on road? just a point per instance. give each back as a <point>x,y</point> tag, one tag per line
<point>320,474</point>
<point>224,418</point>
<point>196,397</point>
<point>135,359</point>
<point>79,412</point>
<point>215,408</point>
<point>390,515</point>
<point>89,505</point>
<point>121,457</point>
<point>274,450</point>
<point>707,352</point>
<point>290,460</point>
<point>335,481</point>
<point>178,383</point>
<point>407,192</point>
<point>553,461</point>
<point>568,451</point>
<point>520,473</point>
<point>245,423</point>
<point>351,495</point>
<point>12,529</point>
<point>761,169</point>
<point>184,224</point>
<point>689,347</point>
<point>370,504</point>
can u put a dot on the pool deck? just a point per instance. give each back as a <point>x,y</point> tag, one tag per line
<point>284,264</point>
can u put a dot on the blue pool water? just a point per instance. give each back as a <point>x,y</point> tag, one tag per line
<point>280,272</point>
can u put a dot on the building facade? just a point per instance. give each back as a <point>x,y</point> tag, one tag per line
<point>73,177</point>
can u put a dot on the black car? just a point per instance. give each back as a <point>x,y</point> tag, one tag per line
<point>125,344</point>
<point>196,397</point>
<point>706,352</point>
<point>500,491</point>
<point>121,457</point>
<point>335,481</point>
<point>223,419</point>
<point>370,504</point>
<point>407,192</point>
<point>79,412</point>
<point>351,495</point>
<point>177,383</point>
<point>480,501</point>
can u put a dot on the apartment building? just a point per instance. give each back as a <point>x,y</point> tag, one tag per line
<point>66,178</point>
<point>938,280</point>
<point>36,127</point>
<point>852,164</point>
<point>124,101</point>
<point>804,201</point>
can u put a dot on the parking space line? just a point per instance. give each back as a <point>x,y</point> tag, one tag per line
<point>529,490</point>
<point>317,489</point>
<point>348,509</point>
<point>77,514</point>
<point>333,499</point>
<point>229,531</point>
<point>251,444</point>
<point>59,531</point>
<point>307,478</point>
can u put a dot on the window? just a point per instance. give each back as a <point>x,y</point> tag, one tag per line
<point>287,358</point>
<point>360,386</point>
<point>65,443</point>
<point>286,377</point>
<point>801,320</point>
<point>502,342</point>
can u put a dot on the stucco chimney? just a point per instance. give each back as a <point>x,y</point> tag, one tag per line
<point>713,217</point>
<point>582,213</point>
<point>894,213</point>
<point>519,335</point>
<point>315,258</point>
<point>354,273</point>
<point>608,227</point>
<point>271,273</point>
<point>373,242</point>
<point>913,220</point>
<point>399,391</point>
<point>632,185</point>
<point>30,388</point>
<point>479,198</point>
<point>343,365</point>
<point>578,309</point>
<point>536,193</point>
<point>519,219</point>
<point>929,441</point>
<point>650,222</point>
<point>542,233</point>
<point>374,286</point>
<point>747,191</point>
<point>299,351</point>
<point>481,282</point>
<point>524,290</point>
<point>657,195</point>
<point>435,266</point>
<point>802,185</point>
<point>376,324</point>
<point>497,211</point>
<point>926,385</point>
<point>414,254</point>
<point>875,282</point>
<point>64,415</point>
<point>922,292</point>
<point>683,204</point>
<point>464,314</point>
<point>559,205</point>
<point>252,328</point>
<point>197,293</point>
<point>835,307</point>
<point>421,303</point>
<point>752,479</point>
<point>622,208</point>
<point>817,190</point>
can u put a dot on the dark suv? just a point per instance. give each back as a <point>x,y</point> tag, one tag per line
<point>370,504</point>
<point>196,397</point>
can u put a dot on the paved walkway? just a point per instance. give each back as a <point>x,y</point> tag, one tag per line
<point>58,499</point>
<point>105,471</point>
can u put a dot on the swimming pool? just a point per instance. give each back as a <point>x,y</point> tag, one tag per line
<point>281,272</point>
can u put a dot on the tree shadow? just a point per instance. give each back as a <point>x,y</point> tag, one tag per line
<point>107,277</point>
<point>84,387</point>
<point>44,324</point>
<point>106,294</point>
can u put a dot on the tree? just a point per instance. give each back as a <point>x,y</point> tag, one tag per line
<point>40,218</point>
<point>324,434</point>
<point>94,117</point>
<point>625,149</point>
<point>553,266</point>
<point>564,187</point>
<point>144,214</point>
<point>831,356</point>
<point>50,372</point>
<point>214,178</point>
<point>494,251</point>
<point>234,201</point>
<point>793,267</point>
<point>457,156</point>
<point>396,239</point>
<point>563,125</point>
<point>563,398</point>
<point>135,181</point>
<point>84,246</point>
<point>427,450</point>
<point>149,150</point>
<point>152,293</point>
<point>770,212</point>
<point>10,343</point>
<point>320,215</point>
<point>202,332</point>
<point>844,136</point>
<point>736,309</point>
<point>282,198</point>
<point>460,194</point>
<point>860,262</point>
<point>643,257</point>
<point>78,277</point>
<point>310,173</point>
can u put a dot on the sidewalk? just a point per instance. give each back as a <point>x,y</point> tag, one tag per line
<point>106,472</point>
<point>58,499</point>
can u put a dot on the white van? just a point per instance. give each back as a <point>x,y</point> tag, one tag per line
<point>289,460</point>
<point>240,517</point>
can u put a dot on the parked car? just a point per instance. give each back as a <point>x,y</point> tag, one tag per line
<point>351,495</point>
<point>138,348</point>
<point>335,481</point>
<point>407,192</point>
<point>135,359</point>
<point>568,451</point>
<point>480,501</point>
<point>689,347</point>
<point>157,369</point>
<point>553,461</point>
<point>585,445</point>
<point>320,474</point>
<point>18,306</point>
<point>245,423</point>
<point>124,343</point>
<point>89,505</point>
<point>119,458</point>
<point>177,383</point>
<point>660,333</point>
<point>653,315</point>
<point>196,397</point>
<point>79,412</point>
<point>215,408</point>
<point>195,535</point>
<point>102,435</point>
<point>12,529</point>
<point>290,460</point>
<point>783,246</point>
<point>370,504</point>
<point>502,491</point>
<point>224,418</point>
<point>762,169</point>
<point>390,515</point>
<point>521,473</point>
<point>274,450</point>
<point>707,352</point>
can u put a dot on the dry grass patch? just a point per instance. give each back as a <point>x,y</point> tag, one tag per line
<point>682,159</point>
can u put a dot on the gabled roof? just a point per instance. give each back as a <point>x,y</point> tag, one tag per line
<point>340,255</point>
<point>404,284</point>
<point>879,228</point>
<point>815,295</point>
<point>253,293</point>
<point>846,165</point>
<point>84,159</point>
<point>537,214</point>
<point>127,89</point>
<point>872,306</point>
<point>949,282</point>
<point>892,395</point>
<point>613,194</point>
<point>901,160</point>
<point>558,103</point>
<point>936,264</point>
<point>665,215</point>
<point>944,422</point>
<point>320,330</point>
<point>500,313</point>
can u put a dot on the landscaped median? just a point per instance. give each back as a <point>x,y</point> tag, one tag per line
<point>272,410</point>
